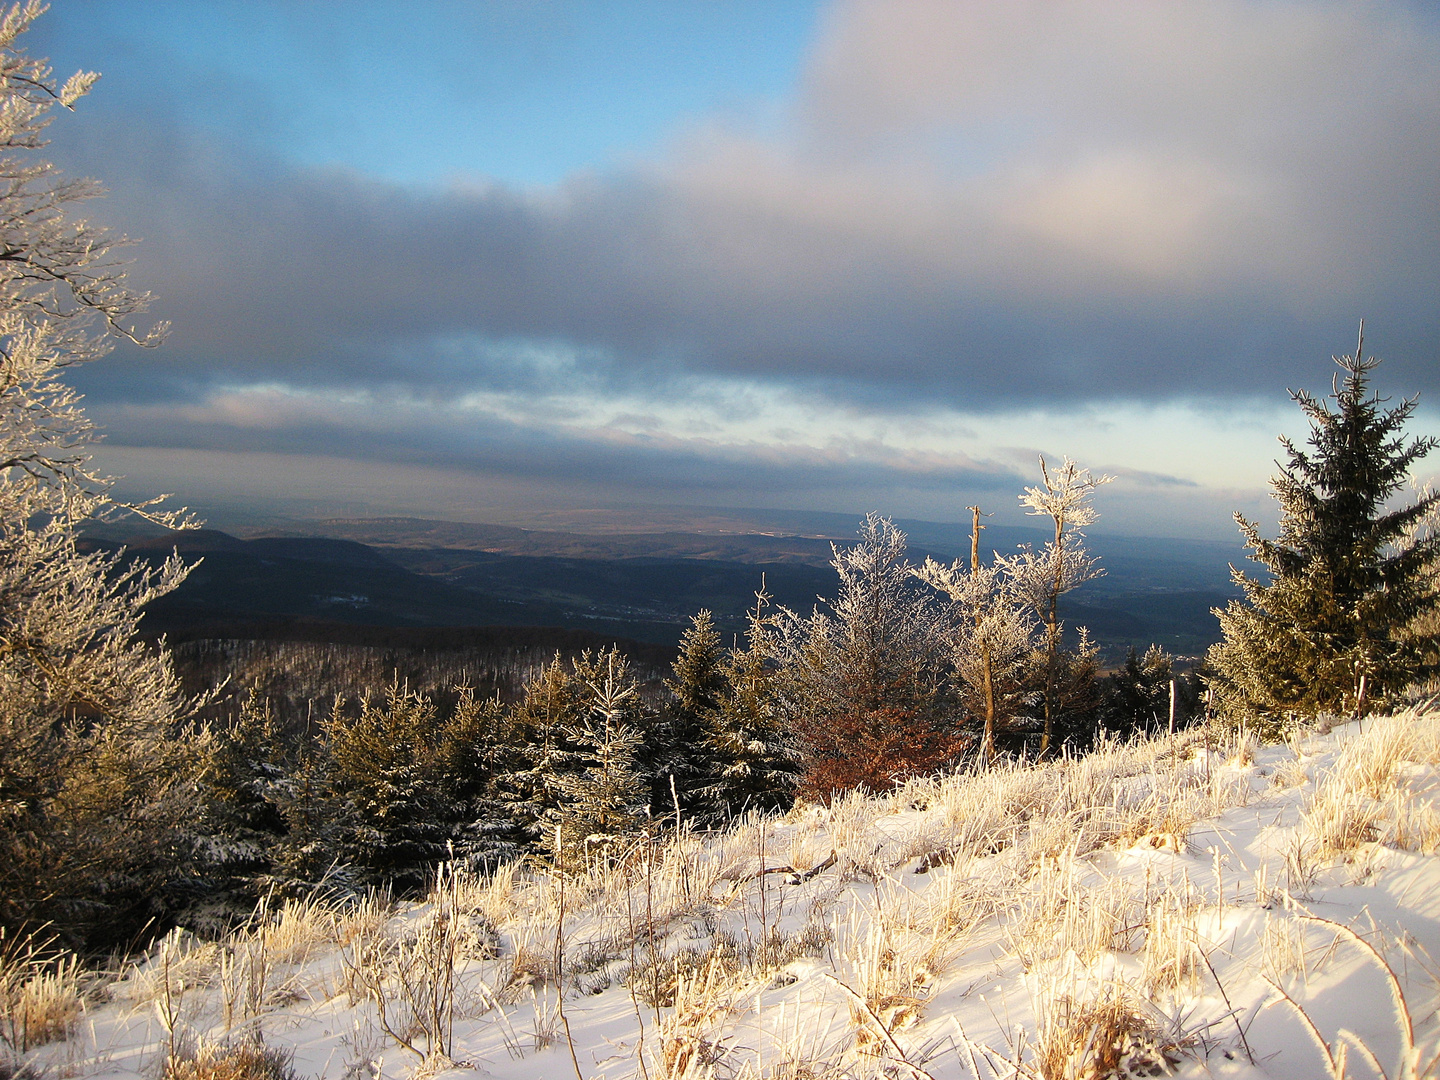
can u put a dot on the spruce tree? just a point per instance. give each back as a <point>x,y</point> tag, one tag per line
<point>243,784</point>
<point>529,789</point>
<point>1136,697</point>
<point>755,761</point>
<point>1323,631</point>
<point>685,754</point>
<point>604,804</point>
<point>475,749</point>
<point>386,764</point>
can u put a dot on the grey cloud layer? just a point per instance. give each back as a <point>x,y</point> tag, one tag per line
<point>981,205</point>
<point>974,207</point>
<point>492,446</point>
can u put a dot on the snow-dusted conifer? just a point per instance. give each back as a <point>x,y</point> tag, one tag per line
<point>1326,628</point>
<point>755,761</point>
<point>242,785</point>
<point>685,755</point>
<point>605,803</point>
<point>474,751</point>
<point>1138,696</point>
<point>528,789</point>
<point>385,764</point>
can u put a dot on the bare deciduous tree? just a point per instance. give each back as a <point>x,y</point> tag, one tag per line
<point>993,633</point>
<point>1043,576</point>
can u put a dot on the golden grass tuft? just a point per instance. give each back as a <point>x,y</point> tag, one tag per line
<point>240,1061</point>
<point>1099,1040</point>
<point>40,1000</point>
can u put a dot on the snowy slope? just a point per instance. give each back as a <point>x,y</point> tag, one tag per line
<point>1197,905</point>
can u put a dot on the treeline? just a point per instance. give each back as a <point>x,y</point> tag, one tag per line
<point>299,666</point>
<point>862,692</point>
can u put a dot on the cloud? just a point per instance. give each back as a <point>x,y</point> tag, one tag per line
<point>973,208</point>
<point>989,203</point>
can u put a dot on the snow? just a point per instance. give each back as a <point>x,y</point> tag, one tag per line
<point>962,920</point>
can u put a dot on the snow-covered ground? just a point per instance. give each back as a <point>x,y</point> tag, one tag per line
<point>1200,905</point>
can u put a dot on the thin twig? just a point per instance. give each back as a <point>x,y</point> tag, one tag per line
<point>915,1070</point>
<point>1250,1056</point>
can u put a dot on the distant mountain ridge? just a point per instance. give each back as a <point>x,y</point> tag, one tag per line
<point>411,572</point>
<point>1144,563</point>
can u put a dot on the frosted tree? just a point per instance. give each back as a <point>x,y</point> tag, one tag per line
<point>1423,629</point>
<point>862,678</point>
<point>993,634</point>
<point>1042,577</point>
<point>92,780</point>
<point>603,804</point>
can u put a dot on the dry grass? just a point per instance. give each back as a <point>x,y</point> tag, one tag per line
<point>1014,862</point>
<point>240,1061</point>
<point>1173,958</point>
<point>179,963</point>
<point>40,997</point>
<point>1284,952</point>
<point>1339,820</point>
<point>1113,1036</point>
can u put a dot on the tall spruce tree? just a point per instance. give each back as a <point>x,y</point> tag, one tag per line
<point>1323,630</point>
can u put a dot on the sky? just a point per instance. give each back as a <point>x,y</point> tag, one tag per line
<point>475,261</point>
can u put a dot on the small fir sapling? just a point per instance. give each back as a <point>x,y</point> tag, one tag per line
<point>243,784</point>
<point>602,805</point>
<point>385,764</point>
<point>476,748</point>
<point>686,756</point>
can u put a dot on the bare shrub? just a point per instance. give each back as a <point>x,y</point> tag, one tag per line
<point>411,975</point>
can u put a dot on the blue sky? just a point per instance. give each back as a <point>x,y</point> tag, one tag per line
<point>526,93</point>
<point>488,259</point>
